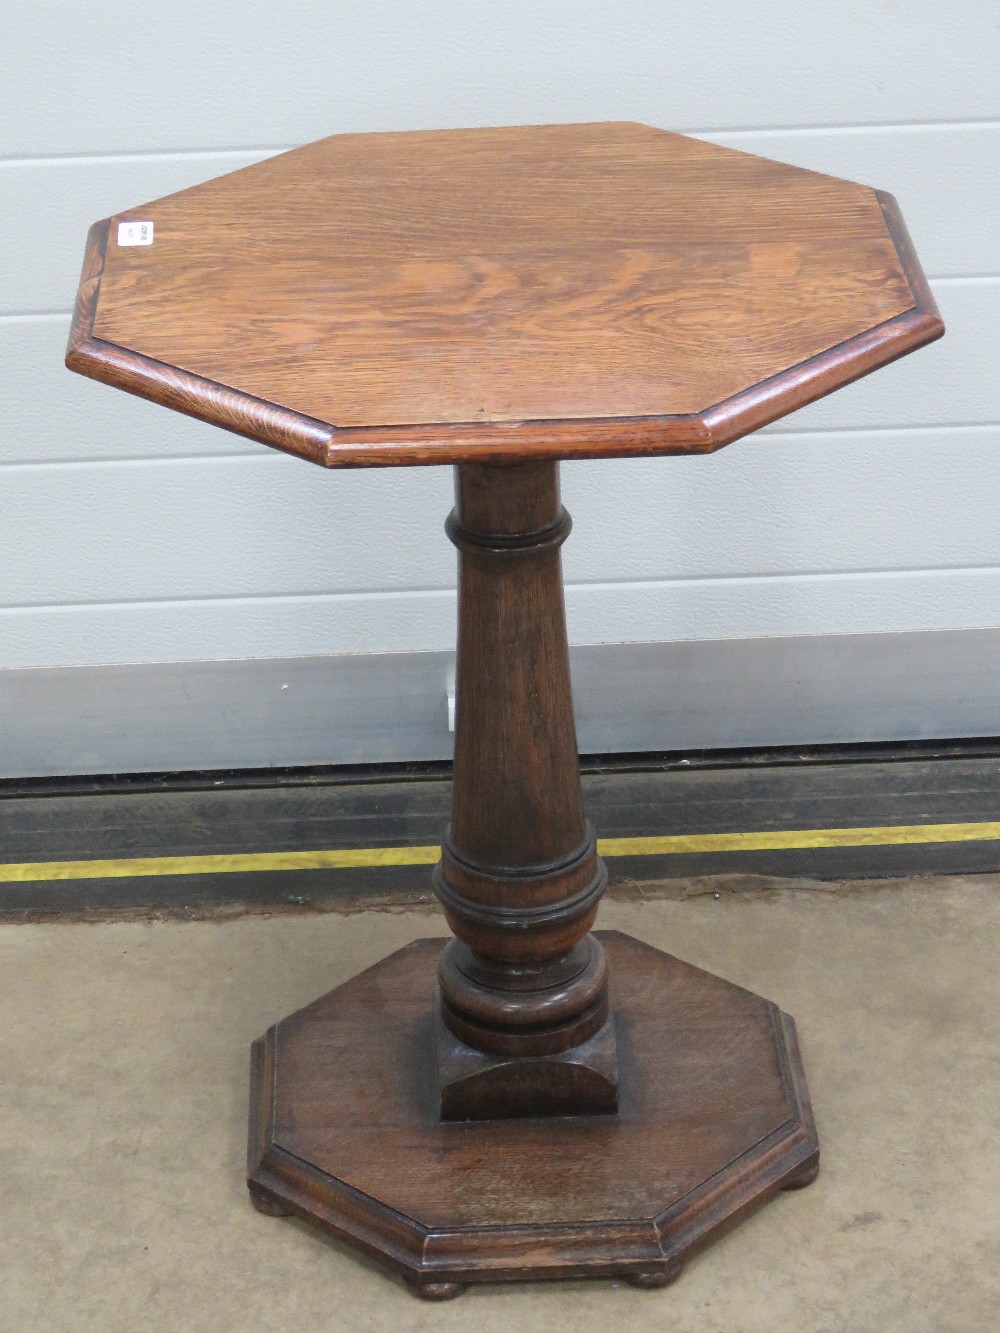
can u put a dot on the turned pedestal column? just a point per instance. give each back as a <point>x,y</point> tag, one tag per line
<point>521,1022</point>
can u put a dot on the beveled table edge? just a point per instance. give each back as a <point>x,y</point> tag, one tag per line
<point>501,442</point>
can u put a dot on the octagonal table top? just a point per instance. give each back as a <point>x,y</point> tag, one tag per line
<point>500,294</point>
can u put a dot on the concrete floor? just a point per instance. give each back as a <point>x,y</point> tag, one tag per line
<point>123,1062</point>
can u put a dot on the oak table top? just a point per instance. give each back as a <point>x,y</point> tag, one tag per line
<point>494,295</point>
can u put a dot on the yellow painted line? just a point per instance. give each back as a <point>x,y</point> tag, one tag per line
<point>238,863</point>
<point>885,835</point>
<point>675,844</point>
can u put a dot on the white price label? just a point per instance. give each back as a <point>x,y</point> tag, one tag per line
<point>135,233</point>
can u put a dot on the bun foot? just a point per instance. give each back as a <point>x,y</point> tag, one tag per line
<point>656,1275</point>
<point>435,1291</point>
<point>267,1203</point>
<point>803,1177</point>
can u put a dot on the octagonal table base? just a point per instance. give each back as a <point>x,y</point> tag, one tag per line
<point>713,1120</point>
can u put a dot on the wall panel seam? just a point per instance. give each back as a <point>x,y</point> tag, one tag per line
<point>572,586</point>
<point>255,598</point>
<point>768,434</point>
<point>853,127</point>
<point>832,127</point>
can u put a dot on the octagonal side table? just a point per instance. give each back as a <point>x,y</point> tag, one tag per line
<point>532,1099</point>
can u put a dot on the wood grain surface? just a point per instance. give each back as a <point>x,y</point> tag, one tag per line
<point>714,1120</point>
<point>519,877</point>
<point>569,290</point>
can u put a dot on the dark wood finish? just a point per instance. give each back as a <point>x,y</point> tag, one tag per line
<point>482,1085</point>
<point>714,1121</point>
<point>504,294</point>
<point>523,1005</point>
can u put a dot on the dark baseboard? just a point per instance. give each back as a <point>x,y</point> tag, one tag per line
<point>896,808</point>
